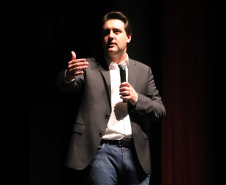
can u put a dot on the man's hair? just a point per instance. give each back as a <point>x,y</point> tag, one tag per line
<point>120,16</point>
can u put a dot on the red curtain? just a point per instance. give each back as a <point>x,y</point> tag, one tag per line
<point>187,155</point>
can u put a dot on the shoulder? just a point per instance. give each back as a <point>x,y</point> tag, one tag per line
<point>97,62</point>
<point>92,62</point>
<point>138,64</point>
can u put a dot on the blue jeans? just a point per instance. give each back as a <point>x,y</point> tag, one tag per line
<point>115,165</point>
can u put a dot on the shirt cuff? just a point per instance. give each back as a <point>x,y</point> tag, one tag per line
<point>66,79</point>
<point>136,100</point>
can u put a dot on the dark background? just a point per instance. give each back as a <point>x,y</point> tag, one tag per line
<point>183,42</point>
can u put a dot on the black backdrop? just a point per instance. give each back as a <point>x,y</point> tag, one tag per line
<point>37,39</point>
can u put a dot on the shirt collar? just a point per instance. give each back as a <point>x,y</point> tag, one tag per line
<point>110,63</point>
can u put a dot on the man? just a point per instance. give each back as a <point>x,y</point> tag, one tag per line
<point>110,139</point>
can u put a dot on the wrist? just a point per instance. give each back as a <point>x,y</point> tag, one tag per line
<point>68,77</point>
<point>133,101</point>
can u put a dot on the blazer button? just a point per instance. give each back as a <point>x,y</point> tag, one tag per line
<point>107,117</point>
<point>100,134</point>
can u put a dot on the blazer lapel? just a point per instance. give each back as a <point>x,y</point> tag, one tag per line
<point>132,72</point>
<point>106,76</point>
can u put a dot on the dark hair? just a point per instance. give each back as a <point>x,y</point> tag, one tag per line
<point>119,16</point>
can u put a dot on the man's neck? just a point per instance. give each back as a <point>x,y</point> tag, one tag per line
<point>117,58</point>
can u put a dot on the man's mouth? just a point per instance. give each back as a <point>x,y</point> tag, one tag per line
<point>111,44</point>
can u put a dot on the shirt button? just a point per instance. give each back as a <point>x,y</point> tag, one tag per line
<point>100,134</point>
<point>107,117</point>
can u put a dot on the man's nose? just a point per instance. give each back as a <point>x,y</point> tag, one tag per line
<point>111,34</point>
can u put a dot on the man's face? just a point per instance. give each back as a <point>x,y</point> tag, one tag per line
<point>115,37</point>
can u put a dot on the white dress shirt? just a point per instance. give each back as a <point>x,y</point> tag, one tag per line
<point>119,125</point>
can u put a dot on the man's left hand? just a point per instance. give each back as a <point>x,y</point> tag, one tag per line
<point>127,92</point>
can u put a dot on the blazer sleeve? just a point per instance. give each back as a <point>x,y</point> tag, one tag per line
<point>73,87</point>
<point>150,103</point>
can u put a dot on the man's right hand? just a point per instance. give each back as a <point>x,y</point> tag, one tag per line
<point>75,67</point>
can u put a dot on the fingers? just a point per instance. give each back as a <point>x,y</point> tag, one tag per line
<point>73,55</point>
<point>76,65</point>
<point>127,92</point>
<point>125,89</point>
<point>123,84</point>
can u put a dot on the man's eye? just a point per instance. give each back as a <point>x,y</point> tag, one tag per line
<point>117,31</point>
<point>106,32</point>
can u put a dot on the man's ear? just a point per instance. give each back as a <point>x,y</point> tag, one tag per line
<point>129,38</point>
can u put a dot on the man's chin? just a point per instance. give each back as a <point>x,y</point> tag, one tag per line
<point>111,51</point>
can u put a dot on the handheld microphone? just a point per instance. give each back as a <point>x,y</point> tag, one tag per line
<point>122,67</point>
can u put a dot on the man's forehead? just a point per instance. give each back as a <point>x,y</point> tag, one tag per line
<point>113,23</point>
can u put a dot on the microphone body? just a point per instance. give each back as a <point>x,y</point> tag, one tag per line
<point>122,67</point>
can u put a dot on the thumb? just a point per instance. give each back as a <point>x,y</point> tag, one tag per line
<point>73,55</point>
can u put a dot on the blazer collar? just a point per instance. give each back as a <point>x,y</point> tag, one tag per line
<point>108,61</point>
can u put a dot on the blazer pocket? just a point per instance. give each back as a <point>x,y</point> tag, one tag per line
<point>78,128</point>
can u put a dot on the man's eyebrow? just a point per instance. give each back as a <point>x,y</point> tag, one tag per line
<point>106,30</point>
<point>114,29</point>
<point>117,29</point>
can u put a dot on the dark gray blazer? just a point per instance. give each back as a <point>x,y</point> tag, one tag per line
<point>95,110</point>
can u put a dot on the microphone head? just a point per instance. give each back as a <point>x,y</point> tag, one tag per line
<point>122,65</point>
